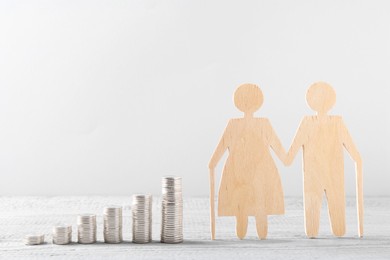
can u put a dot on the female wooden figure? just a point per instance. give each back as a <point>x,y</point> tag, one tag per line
<point>250,183</point>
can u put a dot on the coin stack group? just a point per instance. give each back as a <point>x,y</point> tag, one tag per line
<point>31,240</point>
<point>62,235</point>
<point>172,210</point>
<point>112,217</point>
<point>86,224</point>
<point>142,218</point>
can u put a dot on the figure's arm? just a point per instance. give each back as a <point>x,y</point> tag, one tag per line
<point>275,144</point>
<point>349,144</point>
<point>354,153</point>
<point>299,140</point>
<point>221,148</point>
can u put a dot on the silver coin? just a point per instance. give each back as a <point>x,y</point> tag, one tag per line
<point>34,239</point>
<point>172,210</point>
<point>112,224</point>
<point>142,218</point>
<point>62,235</point>
<point>86,227</point>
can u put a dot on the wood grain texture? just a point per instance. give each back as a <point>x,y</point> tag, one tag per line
<point>322,138</point>
<point>250,183</point>
<point>286,239</point>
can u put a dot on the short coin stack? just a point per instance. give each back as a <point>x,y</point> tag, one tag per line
<point>86,224</point>
<point>112,217</point>
<point>34,239</point>
<point>62,235</point>
<point>172,210</point>
<point>142,218</point>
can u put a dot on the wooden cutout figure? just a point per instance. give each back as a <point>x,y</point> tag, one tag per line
<point>250,183</point>
<point>322,138</point>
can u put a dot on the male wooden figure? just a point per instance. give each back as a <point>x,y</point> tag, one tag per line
<point>322,138</point>
<point>250,184</point>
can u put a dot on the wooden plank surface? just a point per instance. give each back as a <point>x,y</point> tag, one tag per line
<point>286,236</point>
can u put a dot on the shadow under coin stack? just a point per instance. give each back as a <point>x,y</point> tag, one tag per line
<point>172,210</point>
<point>86,224</point>
<point>142,218</point>
<point>62,235</point>
<point>112,217</point>
<point>32,240</point>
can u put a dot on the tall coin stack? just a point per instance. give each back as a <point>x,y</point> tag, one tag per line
<point>172,210</point>
<point>112,217</point>
<point>86,224</point>
<point>142,218</point>
<point>62,235</point>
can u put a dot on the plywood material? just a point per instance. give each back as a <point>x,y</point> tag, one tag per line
<point>250,183</point>
<point>322,138</point>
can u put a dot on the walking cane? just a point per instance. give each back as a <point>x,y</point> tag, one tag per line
<point>359,197</point>
<point>212,210</point>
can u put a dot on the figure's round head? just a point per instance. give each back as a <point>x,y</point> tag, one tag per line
<point>248,98</point>
<point>321,97</point>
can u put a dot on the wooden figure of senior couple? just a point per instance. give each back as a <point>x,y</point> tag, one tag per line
<point>250,183</point>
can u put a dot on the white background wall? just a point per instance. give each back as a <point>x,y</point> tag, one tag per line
<point>105,97</point>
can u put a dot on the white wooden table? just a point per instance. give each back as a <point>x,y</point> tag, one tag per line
<point>286,238</point>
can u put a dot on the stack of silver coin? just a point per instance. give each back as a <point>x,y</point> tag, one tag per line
<point>86,224</point>
<point>112,217</point>
<point>62,235</point>
<point>31,240</point>
<point>172,210</point>
<point>142,218</point>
